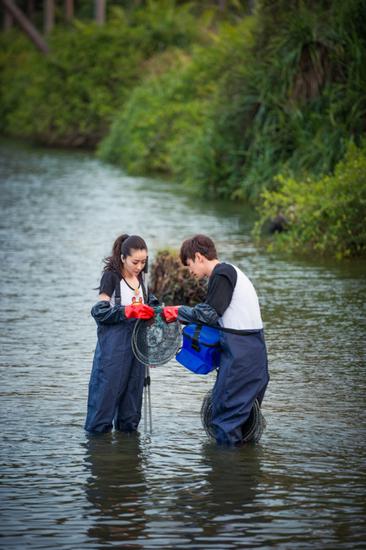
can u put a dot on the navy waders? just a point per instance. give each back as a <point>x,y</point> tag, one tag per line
<point>242,377</point>
<point>116,382</point>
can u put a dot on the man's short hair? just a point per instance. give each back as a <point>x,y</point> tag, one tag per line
<point>199,243</point>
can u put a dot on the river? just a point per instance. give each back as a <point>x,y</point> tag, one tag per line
<point>302,486</point>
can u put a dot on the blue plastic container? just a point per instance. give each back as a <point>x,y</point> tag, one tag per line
<point>200,352</point>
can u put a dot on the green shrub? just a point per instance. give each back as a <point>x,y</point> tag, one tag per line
<point>280,91</point>
<point>14,57</point>
<point>140,137</point>
<point>166,24</point>
<point>147,134</point>
<point>160,126</point>
<point>292,96</point>
<point>71,96</point>
<point>325,215</point>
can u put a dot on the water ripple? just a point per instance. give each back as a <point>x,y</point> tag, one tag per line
<point>302,487</point>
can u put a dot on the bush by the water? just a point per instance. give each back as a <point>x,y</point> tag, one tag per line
<point>326,215</point>
<point>282,89</point>
<point>71,96</point>
<point>160,126</point>
<point>172,283</point>
<point>296,101</point>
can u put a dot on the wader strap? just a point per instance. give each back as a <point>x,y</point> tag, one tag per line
<point>117,293</point>
<point>195,339</point>
<point>240,332</point>
<point>143,288</point>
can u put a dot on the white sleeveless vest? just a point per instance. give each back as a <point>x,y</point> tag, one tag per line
<point>243,312</point>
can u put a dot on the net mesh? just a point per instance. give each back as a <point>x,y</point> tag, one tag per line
<point>155,342</point>
<point>252,429</point>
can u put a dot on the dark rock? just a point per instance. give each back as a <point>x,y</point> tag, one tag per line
<point>278,224</point>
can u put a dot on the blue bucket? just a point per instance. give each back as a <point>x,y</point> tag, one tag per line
<point>201,348</point>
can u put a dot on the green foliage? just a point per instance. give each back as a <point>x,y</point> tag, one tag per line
<point>14,56</point>
<point>163,110</point>
<point>71,96</point>
<point>166,24</point>
<point>283,90</point>
<point>160,127</point>
<point>292,100</point>
<point>325,215</point>
<point>205,161</point>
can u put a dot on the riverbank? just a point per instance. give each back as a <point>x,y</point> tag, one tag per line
<point>225,104</point>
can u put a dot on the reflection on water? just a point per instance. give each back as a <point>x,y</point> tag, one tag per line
<point>302,487</point>
<point>115,487</point>
<point>219,491</point>
<point>230,506</point>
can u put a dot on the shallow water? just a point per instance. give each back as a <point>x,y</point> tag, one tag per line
<point>303,486</point>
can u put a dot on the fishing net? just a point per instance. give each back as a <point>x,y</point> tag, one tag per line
<point>252,429</point>
<point>154,342</point>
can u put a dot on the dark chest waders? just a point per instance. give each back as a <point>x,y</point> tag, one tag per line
<point>147,378</point>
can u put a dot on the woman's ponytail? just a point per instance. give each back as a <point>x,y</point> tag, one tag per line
<point>114,262</point>
<point>122,246</point>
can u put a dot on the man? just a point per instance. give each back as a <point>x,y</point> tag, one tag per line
<point>231,303</point>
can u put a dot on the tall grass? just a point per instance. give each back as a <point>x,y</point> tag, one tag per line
<point>292,102</point>
<point>280,91</point>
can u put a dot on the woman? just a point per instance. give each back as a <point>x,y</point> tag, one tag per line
<point>231,303</point>
<point>117,378</point>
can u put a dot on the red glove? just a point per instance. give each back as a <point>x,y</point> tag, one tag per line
<point>139,311</point>
<point>170,313</point>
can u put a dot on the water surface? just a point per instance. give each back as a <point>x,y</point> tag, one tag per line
<point>303,486</point>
